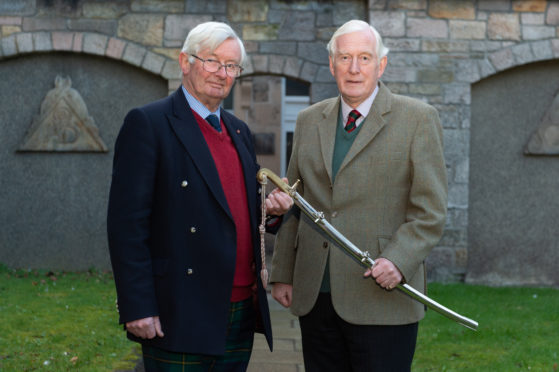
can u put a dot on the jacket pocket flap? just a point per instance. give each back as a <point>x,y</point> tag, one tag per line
<point>383,241</point>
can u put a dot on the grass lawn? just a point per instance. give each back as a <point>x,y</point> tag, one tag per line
<point>518,330</point>
<point>68,321</point>
<point>60,321</point>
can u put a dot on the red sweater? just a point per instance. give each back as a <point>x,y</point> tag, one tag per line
<point>231,175</point>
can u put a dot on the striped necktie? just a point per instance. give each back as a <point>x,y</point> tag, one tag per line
<point>351,119</point>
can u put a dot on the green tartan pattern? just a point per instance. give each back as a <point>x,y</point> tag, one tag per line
<point>240,337</point>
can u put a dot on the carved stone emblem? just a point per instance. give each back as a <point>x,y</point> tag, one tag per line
<point>63,123</point>
<point>545,140</point>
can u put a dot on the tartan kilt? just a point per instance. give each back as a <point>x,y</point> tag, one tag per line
<point>238,348</point>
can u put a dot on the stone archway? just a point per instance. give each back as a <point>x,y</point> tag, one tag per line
<point>512,227</point>
<point>261,100</point>
<point>291,66</point>
<point>53,209</point>
<point>92,43</point>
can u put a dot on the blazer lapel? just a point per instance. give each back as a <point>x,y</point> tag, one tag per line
<point>327,133</point>
<point>186,128</point>
<point>372,124</point>
<point>247,162</point>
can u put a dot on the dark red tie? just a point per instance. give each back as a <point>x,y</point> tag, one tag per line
<point>351,119</point>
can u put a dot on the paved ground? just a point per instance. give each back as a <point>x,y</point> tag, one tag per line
<point>287,355</point>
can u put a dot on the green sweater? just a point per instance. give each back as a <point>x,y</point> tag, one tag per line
<point>342,144</point>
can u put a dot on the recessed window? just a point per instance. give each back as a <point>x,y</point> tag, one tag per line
<point>296,87</point>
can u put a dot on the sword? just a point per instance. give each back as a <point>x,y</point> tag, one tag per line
<point>360,256</point>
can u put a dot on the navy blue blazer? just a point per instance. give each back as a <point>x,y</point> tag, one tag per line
<point>172,237</point>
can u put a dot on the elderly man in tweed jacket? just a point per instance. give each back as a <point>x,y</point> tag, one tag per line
<point>373,162</point>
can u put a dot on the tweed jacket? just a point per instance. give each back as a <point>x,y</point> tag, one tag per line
<point>172,237</point>
<point>389,198</point>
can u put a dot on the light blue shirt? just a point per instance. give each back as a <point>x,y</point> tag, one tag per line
<point>198,107</point>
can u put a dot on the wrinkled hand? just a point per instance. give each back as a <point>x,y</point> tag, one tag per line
<point>282,292</point>
<point>278,202</point>
<point>385,273</point>
<point>145,328</point>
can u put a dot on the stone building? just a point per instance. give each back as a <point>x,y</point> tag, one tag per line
<point>491,68</point>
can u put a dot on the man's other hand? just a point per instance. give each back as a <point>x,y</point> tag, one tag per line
<point>278,202</point>
<point>282,292</point>
<point>145,328</point>
<point>386,274</point>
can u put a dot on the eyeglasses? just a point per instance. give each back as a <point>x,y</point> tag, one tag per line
<point>211,65</point>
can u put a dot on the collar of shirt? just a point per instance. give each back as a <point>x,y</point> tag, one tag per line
<point>363,108</point>
<point>197,106</point>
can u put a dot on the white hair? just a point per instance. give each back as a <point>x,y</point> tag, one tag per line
<point>354,26</point>
<point>210,35</point>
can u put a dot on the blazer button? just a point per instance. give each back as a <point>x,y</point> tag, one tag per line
<point>193,229</point>
<point>184,183</point>
<point>325,245</point>
<point>189,271</point>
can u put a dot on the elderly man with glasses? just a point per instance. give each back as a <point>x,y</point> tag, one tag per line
<point>182,221</point>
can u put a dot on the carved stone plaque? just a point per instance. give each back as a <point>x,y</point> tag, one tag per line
<point>63,123</point>
<point>545,141</point>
